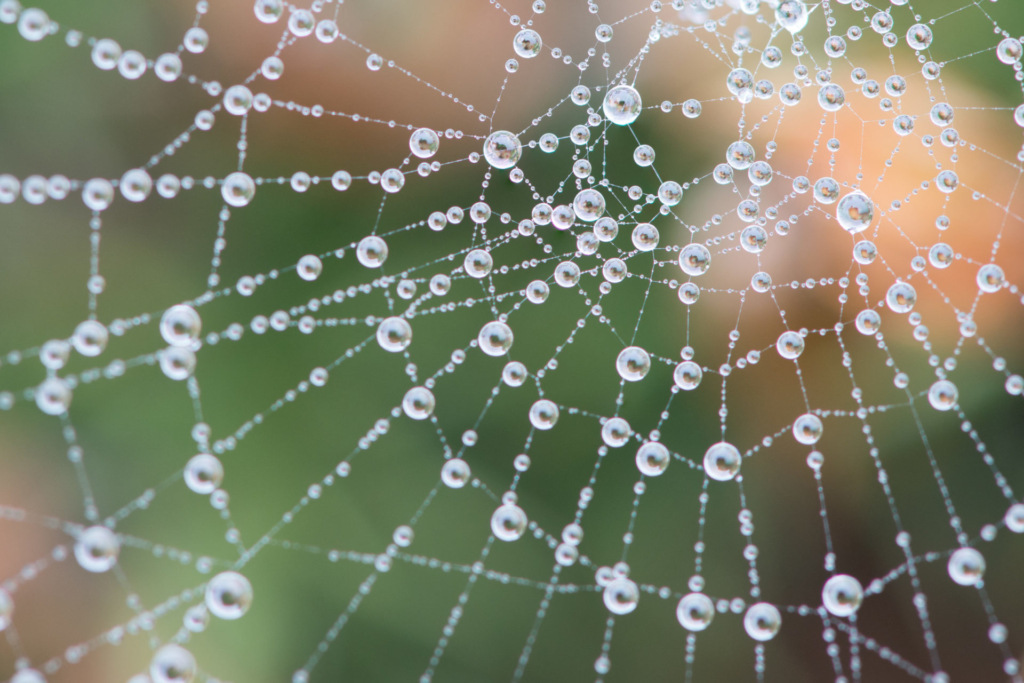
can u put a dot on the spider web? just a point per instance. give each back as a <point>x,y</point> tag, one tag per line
<point>490,452</point>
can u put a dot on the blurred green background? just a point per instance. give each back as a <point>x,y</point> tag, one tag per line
<point>59,114</point>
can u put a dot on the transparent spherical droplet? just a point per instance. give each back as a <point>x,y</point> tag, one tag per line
<point>807,429</point>
<point>865,252</point>
<point>1009,51</point>
<point>508,522</point>
<point>643,155</point>
<point>687,375</point>
<point>238,100</point>
<point>579,135</point>
<point>753,239</point>
<point>652,459</point>
<point>842,595</point>
<point>604,33</point>
<point>670,193</point>
<point>689,293</point>
<point>790,94</point>
<point>645,237</point>
<point>33,190</point>
<point>392,180</point>
<point>543,414</point>
<point>615,432</point>
<point>527,43</point>
<point>204,473</point>
<point>695,259</point>
<point>502,149</point>
<point>31,676</point>
<point>455,473</point>
<point>480,212</point>
<point>722,174</point>
<point>941,255</point>
<point>105,54</point>
<point>172,664</point>
<point>762,621</point>
<point>537,292</point>
<point>180,325</point>
<point>309,267</point>
<point>90,338</point>
<point>901,297</point>
<point>269,11</point>
<point>1014,518</point>
<point>695,612</point>
<point>580,95</point>
<point>760,173</point>
<point>621,596</point>
<point>587,243</point>
<point>966,566</point>
<point>394,334</point>
<point>177,362</point>
<point>761,282</point>
<point>903,125</point>
<point>582,168</point>
<point>228,595</point>
<point>53,396</point>
<point>835,46</point>
<point>771,57</point>
<point>97,194</point>
<point>947,181</point>
<point>96,549</point>
<point>826,191</point>
<point>548,143</point>
<point>326,31</point>
<point>868,321</point>
<point>514,373</point>
<point>33,24</point>
<point>740,155</point>
<point>792,15</point>
<point>588,205</point>
<point>943,395</point>
<point>739,80</point>
<point>495,338</point>
<point>919,37</point>
<point>941,115</point>
<point>567,274</point>
<point>606,229</point>
<point>622,105</point>
<point>566,554</point>
<point>722,461</point>
<point>478,263</point>
<point>990,278</point>
<point>418,403</point>
<point>633,363</point>
<point>790,345</point>
<point>300,181</point>
<point>54,354</point>
<point>196,619</point>
<point>424,143</point>
<point>238,189</point>
<point>372,251</point>
<point>135,185</point>
<point>831,97</point>
<point>196,40</point>
<point>341,180</point>
<point>854,212</point>
<point>691,109</point>
<point>614,270</point>
<point>562,217</point>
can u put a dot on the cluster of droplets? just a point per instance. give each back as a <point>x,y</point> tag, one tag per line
<point>588,215</point>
